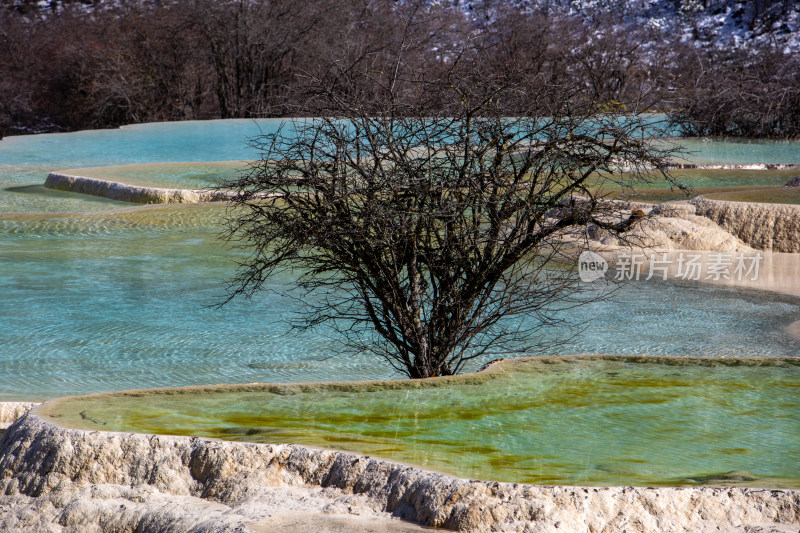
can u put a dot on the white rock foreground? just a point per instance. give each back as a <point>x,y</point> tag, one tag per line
<point>65,480</point>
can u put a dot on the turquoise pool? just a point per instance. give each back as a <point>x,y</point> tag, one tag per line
<point>99,295</point>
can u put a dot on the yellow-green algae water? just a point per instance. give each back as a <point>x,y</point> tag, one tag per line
<point>755,185</point>
<point>577,420</point>
<point>196,175</point>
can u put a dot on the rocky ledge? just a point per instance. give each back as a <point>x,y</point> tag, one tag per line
<point>745,166</point>
<point>770,227</point>
<point>129,193</point>
<point>57,479</point>
<point>10,412</point>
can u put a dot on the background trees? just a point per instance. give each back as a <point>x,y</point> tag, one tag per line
<point>723,66</point>
<point>751,94</point>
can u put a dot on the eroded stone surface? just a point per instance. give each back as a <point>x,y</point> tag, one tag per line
<point>770,227</point>
<point>685,232</point>
<point>54,479</point>
<point>668,226</point>
<point>11,411</point>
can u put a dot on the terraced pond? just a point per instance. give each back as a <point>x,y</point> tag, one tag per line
<point>570,420</point>
<point>102,295</point>
<point>121,299</point>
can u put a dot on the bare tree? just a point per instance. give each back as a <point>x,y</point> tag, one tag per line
<point>742,93</point>
<point>430,230</point>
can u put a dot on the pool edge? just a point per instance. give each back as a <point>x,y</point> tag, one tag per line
<point>38,457</point>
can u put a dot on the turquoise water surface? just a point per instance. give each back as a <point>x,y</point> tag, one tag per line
<point>101,295</point>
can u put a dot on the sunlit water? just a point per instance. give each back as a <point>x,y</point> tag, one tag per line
<point>105,296</point>
<point>120,300</point>
<point>26,160</point>
<point>565,421</point>
<point>733,151</point>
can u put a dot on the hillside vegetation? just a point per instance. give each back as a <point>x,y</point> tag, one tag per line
<point>720,67</point>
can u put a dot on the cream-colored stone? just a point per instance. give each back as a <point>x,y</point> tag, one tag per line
<point>129,193</point>
<point>57,479</point>
<point>770,227</point>
<point>685,232</point>
<point>11,411</point>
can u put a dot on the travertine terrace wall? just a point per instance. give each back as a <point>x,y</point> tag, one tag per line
<point>770,227</point>
<point>44,462</point>
<point>128,193</point>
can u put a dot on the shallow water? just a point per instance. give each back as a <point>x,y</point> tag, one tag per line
<point>26,160</point>
<point>226,140</point>
<point>702,178</point>
<point>772,195</point>
<point>733,151</point>
<point>22,191</point>
<point>169,175</point>
<point>548,421</point>
<point>162,142</point>
<point>99,295</point>
<point>123,299</point>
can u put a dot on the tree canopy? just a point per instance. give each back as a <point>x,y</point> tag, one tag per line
<point>431,238</point>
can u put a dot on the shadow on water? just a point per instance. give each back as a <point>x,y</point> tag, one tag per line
<point>29,189</point>
<point>727,479</point>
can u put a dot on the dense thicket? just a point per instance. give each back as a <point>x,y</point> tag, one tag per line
<point>68,65</point>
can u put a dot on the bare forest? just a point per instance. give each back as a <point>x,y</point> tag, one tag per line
<point>75,65</point>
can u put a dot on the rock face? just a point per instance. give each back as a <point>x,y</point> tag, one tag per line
<point>770,227</point>
<point>128,193</point>
<point>59,479</point>
<point>11,411</point>
<point>794,182</point>
<point>672,227</point>
<point>746,166</point>
<point>689,232</point>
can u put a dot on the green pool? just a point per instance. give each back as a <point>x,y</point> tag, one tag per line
<point>576,420</point>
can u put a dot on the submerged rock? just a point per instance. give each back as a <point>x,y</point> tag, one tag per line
<point>794,182</point>
<point>736,477</point>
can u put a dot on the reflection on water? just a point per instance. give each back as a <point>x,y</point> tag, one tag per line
<point>548,421</point>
